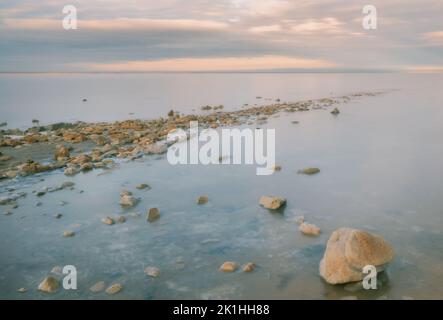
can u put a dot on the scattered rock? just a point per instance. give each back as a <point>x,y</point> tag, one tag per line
<point>115,288</point>
<point>335,111</point>
<point>228,266</point>
<point>98,287</point>
<point>348,251</point>
<point>61,153</point>
<point>108,220</point>
<point>309,229</point>
<point>70,171</point>
<point>121,219</point>
<point>49,285</point>
<point>68,234</point>
<point>153,214</point>
<point>58,215</point>
<point>143,186</point>
<point>40,194</point>
<point>248,267</point>
<point>202,200</point>
<point>153,272</point>
<point>272,202</point>
<point>22,290</point>
<point>127,200</point>
<point>309,171</point>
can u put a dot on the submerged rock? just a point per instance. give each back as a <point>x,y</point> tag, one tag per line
<point>309,171</point>
<point>115,288</point>
<point>143,186</point>
<point>202,200</point>
<point>272,202</point>
<point>49,285</point>
<point>127,200</point>
<point>335,111</point>
<point>348,251</point>
<point>153,272</point>
<point>228,266</point>
<point>153,214</point>
<point>68,234</point>
<point>309,229</point>
<point>99,286</point>
<point>108,220</point>
<point>248,267</point>
<point>121,219</point>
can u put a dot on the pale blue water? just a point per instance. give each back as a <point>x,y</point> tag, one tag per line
<point>381,170</point>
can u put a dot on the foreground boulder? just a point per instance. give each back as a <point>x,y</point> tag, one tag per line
<point>271,202</point>
<point>348,251</point>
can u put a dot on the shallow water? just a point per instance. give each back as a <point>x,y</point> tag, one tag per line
<point>381,170</point>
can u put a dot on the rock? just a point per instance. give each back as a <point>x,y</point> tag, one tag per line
<point>126,200</point>
<point>228,266</point>
<point>70,171</point>
<point>4,158</point>
<point>68,234</point>
<point>121,219</point>
<point>153,272</point>
<point>58,215</point>
<point>40,194</point>
<point>49,285</point>
<point>202,200</point>
<point>271,202</point>
<point>67,184</point>
<point>309,229</point>
<point>309,171</point>
<point>248,267</point>
<point>108,220</point>
<point>348,251</point>
<point>276,168</point>
<point>61,152</point>
<point>299,220</point>
<point>143,186</point>
<point>86,167</point>
<point>11,198</point>
<point>335,111</point>
<point>31,167</point>
<point>22,290</point>
<point>57,270</point>
<point>115,288</point>
<point>99,286</point>
<point>153,214</point>
<point>8,213</point>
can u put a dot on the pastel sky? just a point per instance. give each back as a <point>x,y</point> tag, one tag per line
<point>220,35</point>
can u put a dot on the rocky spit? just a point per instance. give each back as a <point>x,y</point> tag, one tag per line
<point>347,251</point>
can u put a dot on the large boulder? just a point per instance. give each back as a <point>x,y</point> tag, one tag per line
<point>348,251</point>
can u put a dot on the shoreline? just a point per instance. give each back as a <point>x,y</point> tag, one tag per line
<point>86,146</point>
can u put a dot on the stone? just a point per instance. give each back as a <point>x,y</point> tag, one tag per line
<point>153,214</point>
<point>248,267</point>
<point>121,219</point>
<point>276,168</point>
<point>202,200</point>
<point>309,171</point>
<point>68,234</point>
<point>70,171</point>
<point>98,287</point>
<point>57,270</point>
<point>143,186</point>
<point>22,290</point>
<point>335,111</point>
<point>272,202</point>
<point>153,272</point>
<point>309,229</point>
<point>128,201</point>
<point>67,184</point>
<point>49,285</point>
<point>86,167</point>
<point>228,266</point>
<point>61,152</point>
<point>108,220</point>
<point>115,288</point>
<point>348,251</point>
<point>299,220</point>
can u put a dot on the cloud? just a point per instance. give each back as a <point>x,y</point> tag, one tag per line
<point>213,64</point>
<point>120,24</point>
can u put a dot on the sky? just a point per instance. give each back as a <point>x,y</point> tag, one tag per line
<point>221,35</point>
